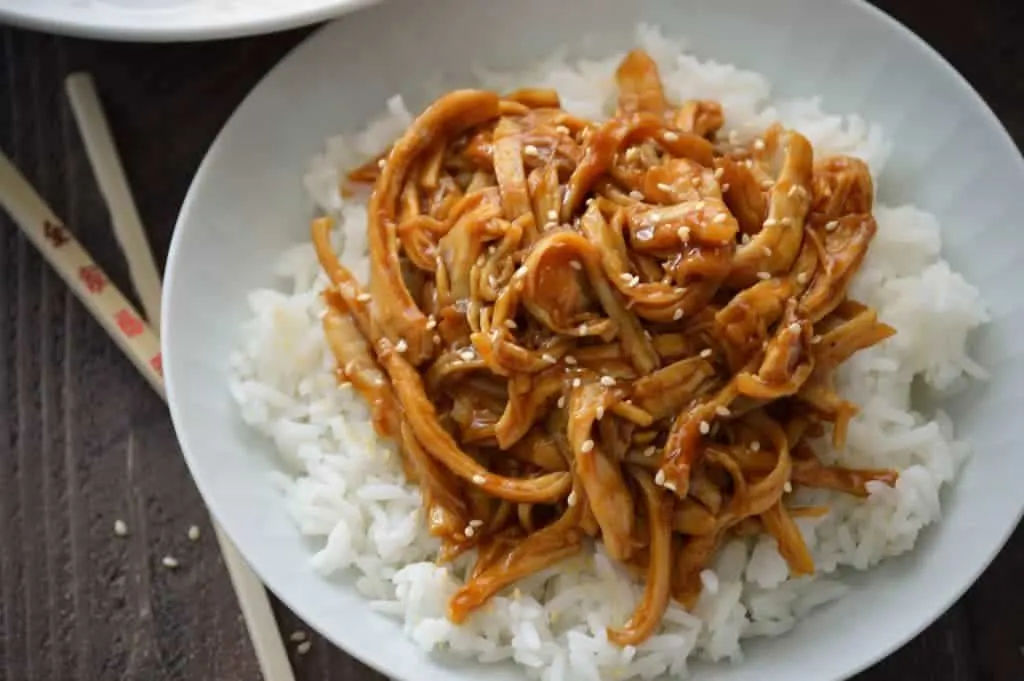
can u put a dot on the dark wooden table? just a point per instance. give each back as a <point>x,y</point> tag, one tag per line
<point>84,442</point>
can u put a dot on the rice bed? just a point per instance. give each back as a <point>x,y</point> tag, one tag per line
<point>344,487</point>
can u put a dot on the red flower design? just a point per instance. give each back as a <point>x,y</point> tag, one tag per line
<point>129,324</point>
<point>55,234</point>
<point>157,363</point>
<point>92,278</point>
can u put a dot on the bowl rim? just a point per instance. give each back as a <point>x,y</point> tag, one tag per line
<point>382,663</point>
<point>84,24</point>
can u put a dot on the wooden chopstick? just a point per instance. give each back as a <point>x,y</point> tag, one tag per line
<point>106,165</point>
<point>141,345</point>
<point>82,275</point>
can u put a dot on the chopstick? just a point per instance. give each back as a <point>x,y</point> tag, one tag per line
<point>78,270</point>
<point>106,164</point>
<point>141,345</point>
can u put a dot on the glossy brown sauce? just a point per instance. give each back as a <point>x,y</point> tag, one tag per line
<point>625,329</point>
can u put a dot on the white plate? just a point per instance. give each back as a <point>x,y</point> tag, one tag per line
<point>952,157</point>
<point>165,20</point>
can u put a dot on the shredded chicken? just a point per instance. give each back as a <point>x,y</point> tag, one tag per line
<point>624,329</point>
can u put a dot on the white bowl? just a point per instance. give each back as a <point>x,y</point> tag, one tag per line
<point>167,20</point>
<point>952,158</point>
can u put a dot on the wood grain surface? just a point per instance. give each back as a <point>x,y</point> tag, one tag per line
<point>84,442</point>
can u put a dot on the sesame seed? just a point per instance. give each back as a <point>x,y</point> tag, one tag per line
<point>170,562</point>
<point>722,410</point>
<point>492,281</point>
<point>664,187</point>
<point>401,345</point>
<point>561,402</point>
<point>636,196</point>
<point>787,487</point>
<point>193,533</point>
<point>120,528</point>
<point>759,144</point>
<point>794,190</point>
<point>794,327</point>
<point>802,278</point>
<point>570,360</point>
<point>659,478</point>
<point>521,272</point>
<point>764,275</point>
<point>725,187</point>
<point>678,314</point>
<point>303,647</point>
<point>734,137</point>
<point>653,217</point>
<point>467,355</point>
<point>381,163</point>
<point>599,412</point>
<point>695,181</point>
<point>699,205</point>
<point>831,226</point>
<point>719,173</point>
<point>786,222</point>
<point>815,339</point>
<point>297,636</point>
<point>584,329</point>
<point>705,427</point>
<point>552,214</point>
<point>530,150</point>
<point>650,450</point>
<point>647,334</point>
<point>720,218</point>
<point>745,238</point>
<point>572,499</point>
<point>632,153</point>
<point>576,265</point>
<point>511,323</point>
<point>679,290</point>
<point>587,446</point>
<point>479,479</point>
<point>626,277</point>
<point>437,339</point>
<point>755,446</point>
<point>364,297</point>
<point>766,184</point>
<point>469,531</point>
<point>562,130</point>
<point>670,486</point>
<point>431,323</point>
<point>607,381</point>
<point>548,357</point>
<point>771,222</point>
<point>705,353</point>
<point>767,251</point>
<point>576,382</point>
<point>635,280</point>
<point>671,136</point>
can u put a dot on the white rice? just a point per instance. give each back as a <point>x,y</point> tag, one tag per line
<point>344,488</point>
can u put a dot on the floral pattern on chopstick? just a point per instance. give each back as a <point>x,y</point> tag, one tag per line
<point>129,323</point>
